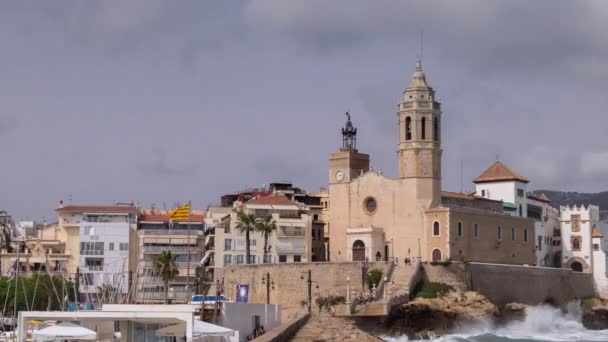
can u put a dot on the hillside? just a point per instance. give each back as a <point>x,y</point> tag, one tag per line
<point>559,198</point>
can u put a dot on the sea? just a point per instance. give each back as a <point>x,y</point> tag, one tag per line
<point>542,323</point>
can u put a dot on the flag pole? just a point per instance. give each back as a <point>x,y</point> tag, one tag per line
<point>189,255</point>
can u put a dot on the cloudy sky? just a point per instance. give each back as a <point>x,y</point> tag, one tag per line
<point>162,101</point>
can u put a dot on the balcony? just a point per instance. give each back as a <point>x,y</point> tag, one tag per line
<point>193,232</point>
<point>94,268</point>
<point>174,249</point>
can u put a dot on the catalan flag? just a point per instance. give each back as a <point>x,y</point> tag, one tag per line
<point>181,212</point>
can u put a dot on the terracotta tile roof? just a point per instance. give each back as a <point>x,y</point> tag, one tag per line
<point>97,209</point>
<point>499,172</point>
<point>541,198</point>
<point>596,233</point>
<point>272,200</point>
<point>160,217</point>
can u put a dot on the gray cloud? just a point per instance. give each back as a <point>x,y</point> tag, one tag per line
<point>145,101</point>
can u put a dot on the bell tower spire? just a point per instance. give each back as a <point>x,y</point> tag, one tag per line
<point>349,135</point>
<point>419,148</point>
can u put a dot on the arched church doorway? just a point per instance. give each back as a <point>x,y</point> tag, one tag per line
<point>385,252</point>
<point>576,266</point>
<point>436,255</point>
<point>358,251</point>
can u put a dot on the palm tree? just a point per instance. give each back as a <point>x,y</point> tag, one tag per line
<point>166,268</point>
<point>266,226</point>
<point>246,223</point>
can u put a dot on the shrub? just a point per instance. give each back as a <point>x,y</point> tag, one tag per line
<point>329,301</point>
<point>373,278</point>
<point>431,289</point>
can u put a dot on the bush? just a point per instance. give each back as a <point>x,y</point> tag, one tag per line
<point>431,290</point>
<point>329,301</point>
<point>373,278</point>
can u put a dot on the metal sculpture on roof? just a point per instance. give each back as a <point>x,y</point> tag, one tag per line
<point>349,135</point>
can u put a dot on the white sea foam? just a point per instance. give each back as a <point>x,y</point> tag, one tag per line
<point>542,323</point>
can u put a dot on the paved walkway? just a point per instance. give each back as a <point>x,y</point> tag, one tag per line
<point>332,329</point>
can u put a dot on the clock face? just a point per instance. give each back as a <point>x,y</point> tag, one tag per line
<point>339,176</point>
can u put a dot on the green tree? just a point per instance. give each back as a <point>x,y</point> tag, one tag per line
<point>266,226</point>
<point>246,223</point>
<point>373,278</point>
<point>166,268</point>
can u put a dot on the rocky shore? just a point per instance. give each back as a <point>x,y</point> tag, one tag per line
<point>595,314</point>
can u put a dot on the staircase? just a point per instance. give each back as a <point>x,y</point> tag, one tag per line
<point>401,280</point>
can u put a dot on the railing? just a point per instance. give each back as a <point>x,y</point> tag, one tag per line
<point>91,252</point>
<point>193,232</point>
<point>95,267</point>
<point>173,249</point>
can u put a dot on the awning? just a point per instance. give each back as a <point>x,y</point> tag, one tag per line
<point>199,329</point>
<point>65,330</point>
<point>509,206</point>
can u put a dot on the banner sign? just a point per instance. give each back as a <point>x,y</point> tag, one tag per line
<point>242,293</point>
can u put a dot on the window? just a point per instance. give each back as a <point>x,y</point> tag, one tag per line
<point>227,259</point>
<point>540,243</point>
<point>526,235</point>
<point>315,217</point>
<point>370,205</point>
<point>483,193</point>
<point>297,258</point>
<point>111,246</point>
<point>408,128</point>
<point>436,129</point>
<point>240,259</point>
<point>499,233</point>
<point>460,232</point>
<point>89,230</point>
<point>228,244</point>
<point>575,222</point>
<point>252,259</point>
<point>282,258</point>
<point>268,259</point>
<point>596,247</point>
<point>123,246</point>
<point>576,243</point>
<point>423,130</point>
<point>513,234</point>
<point>520,192</point>
<point>436,229</point>
<point>476,231</point>
<point>91,248</point>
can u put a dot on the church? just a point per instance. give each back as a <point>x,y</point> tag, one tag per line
<point>373,217</point>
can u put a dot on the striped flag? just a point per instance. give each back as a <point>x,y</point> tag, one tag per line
<point>181,212</point>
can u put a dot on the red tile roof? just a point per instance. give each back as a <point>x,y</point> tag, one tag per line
<point>271,200</point>
<point>499,172</point>
<point>97,209</point>
<point>596,233</point>
<point>541,198</point>
<point>461,195</point>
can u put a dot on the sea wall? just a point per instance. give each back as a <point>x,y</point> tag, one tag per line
<point>289,289</point>
<point>503,284</point>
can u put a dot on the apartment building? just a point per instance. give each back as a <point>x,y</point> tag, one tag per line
<point>98,239</point>
<point>290,242</point>
<point>156,233</point>
<point>43,251</point>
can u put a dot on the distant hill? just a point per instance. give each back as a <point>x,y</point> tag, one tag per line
<point>577,198</point>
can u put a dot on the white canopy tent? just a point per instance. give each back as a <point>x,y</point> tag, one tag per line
<point>65,331</point>
<point>201,330</point>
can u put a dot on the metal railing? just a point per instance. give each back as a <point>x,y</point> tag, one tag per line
<point>193,232</point>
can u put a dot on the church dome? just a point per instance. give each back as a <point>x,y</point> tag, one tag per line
<point>418,78</point>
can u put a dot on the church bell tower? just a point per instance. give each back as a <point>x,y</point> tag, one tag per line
<point>419,149</point>
<point>348,163</point>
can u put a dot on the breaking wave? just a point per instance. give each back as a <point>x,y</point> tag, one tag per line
<point>542,323</point>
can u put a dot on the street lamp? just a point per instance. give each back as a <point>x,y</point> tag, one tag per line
<point>309,282</point>
<point>266,280</point>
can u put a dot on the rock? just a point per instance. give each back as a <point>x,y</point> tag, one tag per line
<point>511,312</point>
<point>595,317</point>
<point>439,315</point>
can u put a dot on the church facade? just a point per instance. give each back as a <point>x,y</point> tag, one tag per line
<point>373,217</point>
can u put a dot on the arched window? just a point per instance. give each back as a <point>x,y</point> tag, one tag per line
<point>460,231</point>
<point>408,128</point>
<point>576,244</point>
<point>436,229</point>
<point>423,129</point>
<point>436,255</point>
<point>436,129</point>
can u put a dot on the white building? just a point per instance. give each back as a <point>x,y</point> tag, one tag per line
<point>578,226</point>
<point>500,183</point>
<point>102,244</point>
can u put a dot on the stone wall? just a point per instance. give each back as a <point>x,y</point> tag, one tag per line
<point>503,284</point>
<point>453,274</point>
<point>289,289</point>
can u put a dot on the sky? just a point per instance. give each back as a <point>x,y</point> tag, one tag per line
<point>159,102</point>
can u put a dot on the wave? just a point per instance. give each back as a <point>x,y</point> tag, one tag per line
<point>541,323</point>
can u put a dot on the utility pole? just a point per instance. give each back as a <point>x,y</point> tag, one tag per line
<point>309,290</point>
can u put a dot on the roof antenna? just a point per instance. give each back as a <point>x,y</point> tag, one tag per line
<point>421,43</point>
